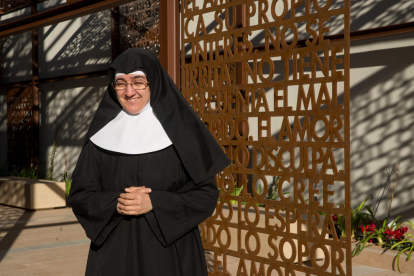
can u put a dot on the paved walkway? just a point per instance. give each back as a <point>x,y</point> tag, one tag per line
<point>51,242</point>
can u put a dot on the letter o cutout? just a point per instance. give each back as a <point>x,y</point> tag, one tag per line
<point>254,186</point>
<point>274,268</point>
<point>271,70</point>
<point>282,254</point>
<point>226,229</point>
<point>247,242</point>
<point>324,8</point>
<point>295,36</point>
<point>326,257</point>
<point>230,215</point>
<point>313,125</point>
<point>256,212</point>
<point>285,10</point>
<point>236,156</point>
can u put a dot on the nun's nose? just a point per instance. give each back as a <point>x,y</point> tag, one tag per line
<point>130,91</point>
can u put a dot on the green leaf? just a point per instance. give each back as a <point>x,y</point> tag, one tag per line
<point>394,222</point>
<point>399,243</point>
<point>362,204</point>
<point>384,223</point>
<point>398,259</point>
<point>409,253</point>
<point>409,222</point>
<point>369,210</point>
<point>361,245</point>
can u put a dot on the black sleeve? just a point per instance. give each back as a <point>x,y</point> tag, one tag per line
<point>176,213</point>
<point>95,209</point>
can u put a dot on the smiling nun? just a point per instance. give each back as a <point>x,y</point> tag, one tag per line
<point>145,178</point>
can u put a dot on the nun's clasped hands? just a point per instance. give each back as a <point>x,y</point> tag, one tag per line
<point>134,202</point>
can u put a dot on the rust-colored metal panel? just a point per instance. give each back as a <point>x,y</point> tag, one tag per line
<point>35,90</point>
<point>115,32</point>
<point>53,16</point>
<point>22,143</point>
<point>169,38</point>
<point>274,92</point>
<point>139,25</point>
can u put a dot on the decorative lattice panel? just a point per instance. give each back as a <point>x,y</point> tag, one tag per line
<point>273,89</point>
<point>22,143</point>
<point>139,25</point>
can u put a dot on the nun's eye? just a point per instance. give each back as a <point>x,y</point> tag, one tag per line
<point>139,85</point>
<point>120,85</point>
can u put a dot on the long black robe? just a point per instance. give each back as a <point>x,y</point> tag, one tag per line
<point>165,241</point>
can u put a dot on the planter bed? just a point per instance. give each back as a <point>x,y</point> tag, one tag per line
<point>379,257</point>
<point>32,194</point>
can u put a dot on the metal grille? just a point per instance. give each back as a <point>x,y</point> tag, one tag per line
<point>140,25</point>
<point>22,145</point>
<point>274,92</point>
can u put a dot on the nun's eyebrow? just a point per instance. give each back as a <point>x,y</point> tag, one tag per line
<point>139,77</point>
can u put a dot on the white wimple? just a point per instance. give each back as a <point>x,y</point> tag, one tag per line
<point>133,134</point>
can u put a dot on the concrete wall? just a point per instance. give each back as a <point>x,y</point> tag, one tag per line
<point>67,107</point>
<point>382,120</point>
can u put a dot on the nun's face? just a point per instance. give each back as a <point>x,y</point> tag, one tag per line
<point>132,100</point>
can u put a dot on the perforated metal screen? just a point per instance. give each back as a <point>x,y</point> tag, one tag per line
<point>274,92</point>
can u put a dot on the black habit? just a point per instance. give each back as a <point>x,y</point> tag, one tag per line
<point>165,241</point>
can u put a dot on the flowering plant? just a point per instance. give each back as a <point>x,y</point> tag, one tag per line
<point>393,236</point>
<point>404,245</point>
<point>358,217</point>
<point>396,235</point>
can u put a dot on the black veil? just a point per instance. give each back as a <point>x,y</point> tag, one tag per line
<point>199,152</point>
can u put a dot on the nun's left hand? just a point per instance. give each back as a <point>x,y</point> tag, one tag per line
<point>135,201</point>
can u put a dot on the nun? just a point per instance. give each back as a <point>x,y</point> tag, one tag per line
<point>145,177</point>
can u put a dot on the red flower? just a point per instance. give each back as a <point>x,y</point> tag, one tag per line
<point>335,218</point>
<point>370,240</point>
<point>362,229</point>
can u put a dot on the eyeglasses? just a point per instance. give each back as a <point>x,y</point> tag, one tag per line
<point>122,85</point>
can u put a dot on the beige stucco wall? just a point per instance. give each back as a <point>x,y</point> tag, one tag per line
<point>68,107</point>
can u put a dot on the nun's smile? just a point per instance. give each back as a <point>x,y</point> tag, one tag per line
<point>133,100</point>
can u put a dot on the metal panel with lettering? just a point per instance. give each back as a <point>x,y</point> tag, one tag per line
<point>274,92</point>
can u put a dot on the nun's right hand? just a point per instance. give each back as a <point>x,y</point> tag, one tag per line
<point>135,201</point>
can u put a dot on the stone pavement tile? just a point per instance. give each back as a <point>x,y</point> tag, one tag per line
<point>78,261</point>
<point>47,271</point>
<point>58,251</point>
<point>391,273</point>
<point>29,240</point>
<point>365,270</point>
<point>36,259</point>
<point>18,267</point>
<point>14,250</point>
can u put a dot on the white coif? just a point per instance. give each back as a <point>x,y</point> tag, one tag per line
<point>133,134</point>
